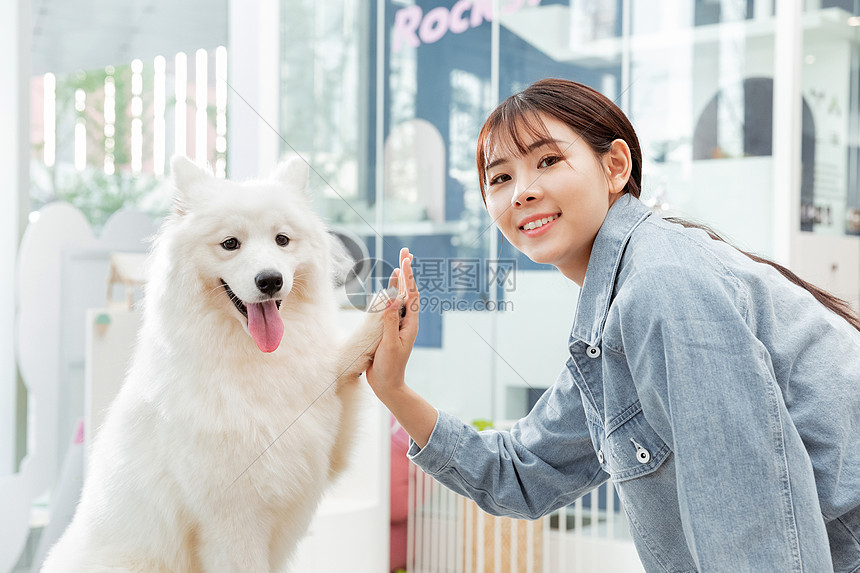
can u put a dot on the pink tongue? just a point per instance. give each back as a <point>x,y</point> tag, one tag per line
<point>265,325</point>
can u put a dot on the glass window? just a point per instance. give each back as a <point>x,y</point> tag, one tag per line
<point>830,83</point>
<point>101,138</point>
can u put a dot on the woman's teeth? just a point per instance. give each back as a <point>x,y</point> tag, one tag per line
<point>539,223</point>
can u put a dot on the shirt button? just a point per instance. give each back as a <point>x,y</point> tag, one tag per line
<point>600,456</point>
<point>593,351</point>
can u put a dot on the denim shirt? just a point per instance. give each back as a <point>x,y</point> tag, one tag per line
<point>722,401</point>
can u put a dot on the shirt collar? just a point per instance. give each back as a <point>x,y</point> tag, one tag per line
<point>596,293</point>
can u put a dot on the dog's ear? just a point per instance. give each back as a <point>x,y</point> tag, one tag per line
<point>341,257</point>
<point>185,174</point>
<point>293,171</point>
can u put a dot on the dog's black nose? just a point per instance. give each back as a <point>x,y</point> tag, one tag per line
<point>269,282</point>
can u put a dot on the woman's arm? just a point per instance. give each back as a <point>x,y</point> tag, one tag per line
<point>544,462</point>
<point>547,459</point>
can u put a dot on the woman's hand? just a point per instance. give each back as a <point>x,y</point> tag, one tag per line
<point>387,372</point>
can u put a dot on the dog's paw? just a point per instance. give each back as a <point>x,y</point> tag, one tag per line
<point>380,301</point>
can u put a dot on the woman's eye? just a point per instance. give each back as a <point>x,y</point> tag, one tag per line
<point>549,161</point>
<point>501,178</point>
<point>230,244</point>
<point>282,240</point>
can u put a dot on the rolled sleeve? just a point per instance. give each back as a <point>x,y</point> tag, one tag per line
<point>545,461</point>
<point>440,448</point>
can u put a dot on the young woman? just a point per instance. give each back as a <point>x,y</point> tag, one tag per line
<point>720,393</point>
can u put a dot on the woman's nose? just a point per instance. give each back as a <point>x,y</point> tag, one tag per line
<point>523,195</point>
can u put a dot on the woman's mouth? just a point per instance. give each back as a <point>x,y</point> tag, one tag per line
<point>540,225</point>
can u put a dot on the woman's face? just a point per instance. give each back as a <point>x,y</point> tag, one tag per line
<point>550,206</point>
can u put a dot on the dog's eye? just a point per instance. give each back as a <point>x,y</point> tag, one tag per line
<point>282,240</point>
<point>231,244</point>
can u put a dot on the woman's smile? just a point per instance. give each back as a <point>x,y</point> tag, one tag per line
<point>536,225</point>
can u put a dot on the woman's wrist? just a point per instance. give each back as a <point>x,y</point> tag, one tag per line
<point>414,413</point>
<point>398,398</point>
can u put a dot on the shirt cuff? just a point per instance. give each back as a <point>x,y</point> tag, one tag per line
<point>437,453</point>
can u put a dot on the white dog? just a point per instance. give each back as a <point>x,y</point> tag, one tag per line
<point>237,408</point>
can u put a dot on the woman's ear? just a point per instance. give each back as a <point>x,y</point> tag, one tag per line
<point>617,162</point>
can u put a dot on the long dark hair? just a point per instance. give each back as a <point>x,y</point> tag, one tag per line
<point>599,122</point>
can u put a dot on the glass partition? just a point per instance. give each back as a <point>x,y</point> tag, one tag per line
<point>830,82</point>
<point>324,102</point>
<point>438,89</point>
<point>701,96</point>
<point>830,200</point>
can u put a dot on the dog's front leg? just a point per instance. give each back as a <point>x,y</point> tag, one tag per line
<point>239,542</point>
<point>354,359</point>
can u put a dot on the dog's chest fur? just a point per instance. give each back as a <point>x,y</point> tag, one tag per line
<point>255,425</point>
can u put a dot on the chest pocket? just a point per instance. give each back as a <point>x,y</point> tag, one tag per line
<point>631,448</point>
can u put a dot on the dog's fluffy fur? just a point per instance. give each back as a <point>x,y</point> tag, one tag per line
<point>169,487</point>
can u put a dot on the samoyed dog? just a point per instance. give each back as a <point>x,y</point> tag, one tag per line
<point>239,402</point>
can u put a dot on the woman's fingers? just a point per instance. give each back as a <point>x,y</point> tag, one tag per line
<point>404,252</point>
<point>409,325</point>
<point>402,291</point>
<point>393,280</point>
<point>402,286</point>
<point>409,279</point>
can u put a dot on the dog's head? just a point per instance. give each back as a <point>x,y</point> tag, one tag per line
<point>244,248</point>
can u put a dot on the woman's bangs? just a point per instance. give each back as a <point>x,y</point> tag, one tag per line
<point>511,132</point>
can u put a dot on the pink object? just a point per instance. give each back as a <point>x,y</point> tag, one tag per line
<point>265,325</point>
<point>79,434</point>
<point>399,495</point>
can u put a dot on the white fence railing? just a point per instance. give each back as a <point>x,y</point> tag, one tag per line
<point>448,533</point>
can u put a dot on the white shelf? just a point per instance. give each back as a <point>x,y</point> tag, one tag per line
<point>531,25</point>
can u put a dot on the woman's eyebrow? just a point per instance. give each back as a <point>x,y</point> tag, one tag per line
<point>495,162</point>
<point>547,141</point>
<point>532,146</point>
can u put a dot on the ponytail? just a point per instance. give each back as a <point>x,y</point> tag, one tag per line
<point>837,305</point>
